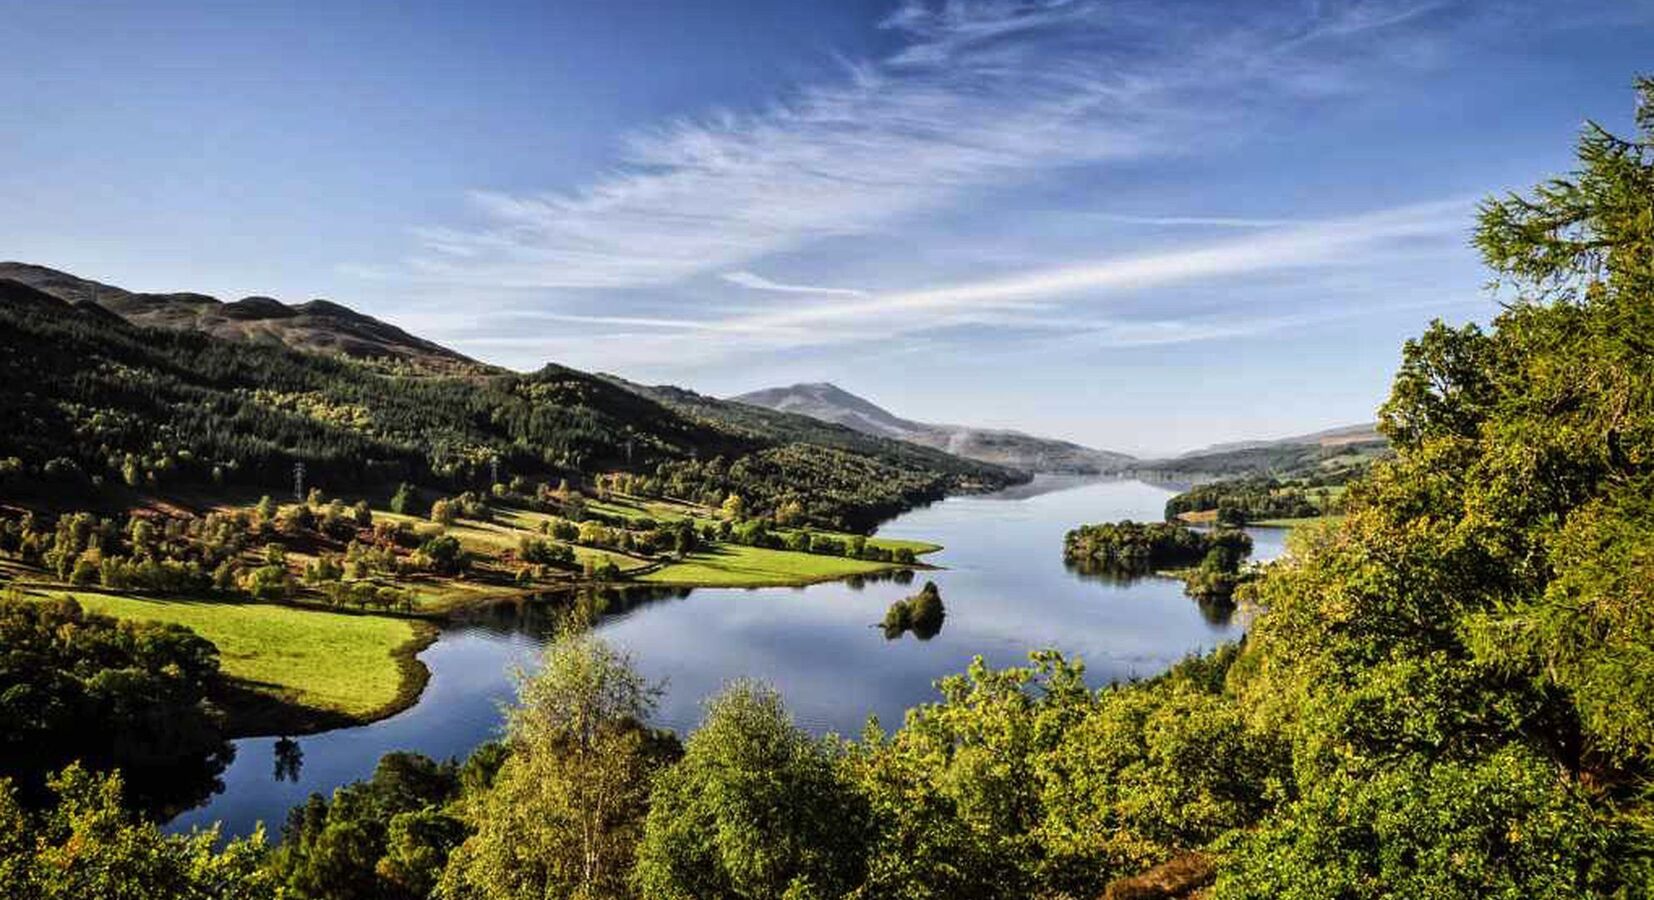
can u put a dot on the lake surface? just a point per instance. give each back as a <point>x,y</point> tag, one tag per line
<point>1004,584</point>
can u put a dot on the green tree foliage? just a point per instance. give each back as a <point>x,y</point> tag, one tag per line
<point>1138,548</point>
<point>755,809</point>
<point>539,551</point>
<point>1023,782</point>
<point>79,686</point>
<point>565,812</point>
<point>1503,825</point>
<point>323,569</point>
<point>1153,771</point>
<point>1463,668</point>
<point>405,501</point>
<point>922,613</point>
<point>1240,500</point>
<point>445,553</point>
<point>837,488</point>
<point>86,844</point>
<point>386,838</point>
<point>269,583</point>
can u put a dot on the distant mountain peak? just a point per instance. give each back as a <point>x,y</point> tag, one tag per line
<point>320,307</point>
<point>828,402</point>
<point>258,308</point>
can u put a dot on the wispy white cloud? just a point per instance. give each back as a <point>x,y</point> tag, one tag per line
<point>981,93</point>
<point>1320,243</point>
<point>1347,19</point>
<point>760,283</point>
<point>1197,221</point>
<point>1069,299</point>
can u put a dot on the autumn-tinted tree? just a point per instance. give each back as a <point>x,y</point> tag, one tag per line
<point>566,811</point>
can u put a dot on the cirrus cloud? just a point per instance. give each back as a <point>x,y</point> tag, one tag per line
<point>981,93</point>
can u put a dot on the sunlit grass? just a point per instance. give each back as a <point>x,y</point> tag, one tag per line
<point>322,660</point>
<point>736,566</point>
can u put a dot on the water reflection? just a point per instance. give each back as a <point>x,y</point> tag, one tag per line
<point>289,758</point>
<point>1218,611</point>
<point>168,786</point>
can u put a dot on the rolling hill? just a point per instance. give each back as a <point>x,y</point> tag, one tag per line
<point>317,326</point>
<point>1342,447</point>
<point>1014,449</point>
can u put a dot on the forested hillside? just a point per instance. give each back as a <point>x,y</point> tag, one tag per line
<point>1292,457</point>
<point>94,402</point>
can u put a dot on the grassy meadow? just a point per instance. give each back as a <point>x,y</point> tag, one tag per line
<point>733,565</point>
<point>348,668</point>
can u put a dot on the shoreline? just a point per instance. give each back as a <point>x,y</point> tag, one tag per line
<point>273,697</point>
<point>253,714</point>
<point>252,710</point>
<point>294,719</point>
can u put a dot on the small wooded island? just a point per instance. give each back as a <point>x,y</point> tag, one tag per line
<point>922,614</point>
<point>1209,562</point>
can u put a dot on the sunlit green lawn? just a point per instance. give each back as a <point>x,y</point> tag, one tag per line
<point>1294,523</point>
<point>322,660</point>
<point>732,565</point>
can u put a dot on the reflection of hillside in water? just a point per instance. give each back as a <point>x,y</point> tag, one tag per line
<point>1216,611</point>
<point>173,785</point>
<point>539,615</point>
<point>1047,484</point>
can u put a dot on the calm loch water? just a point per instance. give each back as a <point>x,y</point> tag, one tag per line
<point>1005,586</point>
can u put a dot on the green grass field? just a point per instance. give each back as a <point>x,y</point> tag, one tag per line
<point>730,565</point>
<point>639,508</point>
<point>350,665</point>
<point>1294,523</point>
<point>919,548</point>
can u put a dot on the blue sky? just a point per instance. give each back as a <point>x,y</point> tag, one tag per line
<point>1142,225</point>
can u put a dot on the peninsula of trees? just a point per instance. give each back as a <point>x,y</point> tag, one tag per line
<point>1139,548</point>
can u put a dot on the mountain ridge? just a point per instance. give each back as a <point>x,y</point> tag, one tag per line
<point>1343,446</point>
<point>742,418</point>
<point>1341,435</point>
<point>828,402</point>
<point>316,326</point>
